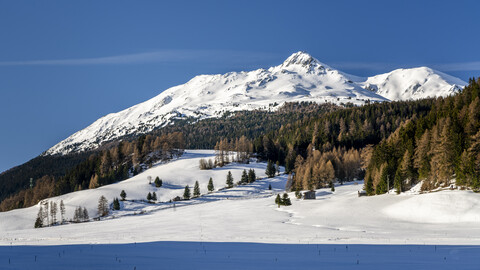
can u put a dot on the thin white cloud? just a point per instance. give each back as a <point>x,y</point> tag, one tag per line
<point>467,66</point>
<point>377,66</point>
<point>152,57</point>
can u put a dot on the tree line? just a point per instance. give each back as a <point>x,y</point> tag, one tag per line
<point>104,167</point>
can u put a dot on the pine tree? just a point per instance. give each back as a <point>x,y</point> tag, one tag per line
<point>277,167</point>
<point>39,220</point>
<point>158,182</point>
<point>196,189</point>
<point>244,178</point>
<point>46,213</point>
<point>369,186</point>
<point>123,195</point>
<point>76,214</point>
<point>251,176</point>
<point>397,182</point>
<point>154,196</point>
<point>62,211</point>
<point>94,182</point>
<point>53,212</point>
<point>278,200</point>
<point>269,186</point>
<point>149,196</point>
<point>422,157</point>
<point>102,206</point>
<point>229,181</point>
<point>210,186</point>
<point>186,193</point>
<point>382,186</point>
<point>332,186</point>
<point>116,204</point>
<point>270,171</point>
<point>286,200</point>
<point>85,214</point>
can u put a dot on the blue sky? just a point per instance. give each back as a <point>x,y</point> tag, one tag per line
<point>64,64</point>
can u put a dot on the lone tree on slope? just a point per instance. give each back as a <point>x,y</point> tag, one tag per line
<point>210,186</point>
<point>270,171</point>
<point>158,182</point>
<point>196,189</point>
<point>116,204</point>
<point>186,193</point>
<point>229,181</point>
<point>102,207</point>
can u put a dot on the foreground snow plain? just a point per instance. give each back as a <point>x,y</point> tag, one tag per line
<point>243,228</point>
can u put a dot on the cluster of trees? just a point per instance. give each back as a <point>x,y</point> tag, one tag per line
<point>321,169</point>
<point>80,215</point>
<point>248,177</point>
<point>284,200</point>
<point>101,168</point>
<point>242,147</point>
<point>440,148</point>
<point>272,169</point>
<point>152,196</point>
<point>47,214</point>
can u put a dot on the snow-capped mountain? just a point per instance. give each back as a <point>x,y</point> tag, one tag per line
<point>413,83</point>
<point>299,78</point>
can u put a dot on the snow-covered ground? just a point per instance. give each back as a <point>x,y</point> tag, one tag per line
<point>227,227</point>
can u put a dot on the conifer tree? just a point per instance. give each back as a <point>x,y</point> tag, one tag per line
<point>186,193</point>
<point>102,206</point>
<point>154,196</point>
<point>244,178</point>
<point>53,212</point>
<point>123,195</point>
<point>149,196</point>
<point>270,171</point>
<point>39,220</point>
<point>269,186</point>
<point>77,214</point>
<point>251,176</point>
<point>229,181</point>
<point>94,182</point>
<point>62,211</point>
<point>422,157</point>
<point>397,182</point>
<point>210,186</point>
<point>332,186</point>
<point>196,189</point>
<point>286,200</point>
<point>85,214</point>
<point>158,182</point>
<point>278,200</point>
<point>369,186</point>
<point>116,204</point>
<point>382,186</point>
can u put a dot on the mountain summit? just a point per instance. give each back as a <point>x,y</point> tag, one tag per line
<point>300,77</point>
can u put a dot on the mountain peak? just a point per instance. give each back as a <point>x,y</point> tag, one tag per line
<point>300,58</point>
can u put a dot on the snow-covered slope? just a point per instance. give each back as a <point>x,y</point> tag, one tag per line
<point>299,78</point>
<point>414,83</point>
<point>248,213</point>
